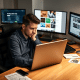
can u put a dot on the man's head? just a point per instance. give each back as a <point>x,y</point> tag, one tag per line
<point>29,26</point>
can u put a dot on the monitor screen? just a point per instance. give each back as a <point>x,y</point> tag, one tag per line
<point>74,25</point>
<point>12,15</point>
<point>51,21</point>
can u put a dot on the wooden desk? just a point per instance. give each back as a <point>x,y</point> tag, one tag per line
<point>62,71</point>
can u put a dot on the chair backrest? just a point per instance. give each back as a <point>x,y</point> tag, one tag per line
<point>7,30</point>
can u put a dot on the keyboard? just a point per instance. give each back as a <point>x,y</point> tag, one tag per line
<point>69,49</point>
<point>45,39</point>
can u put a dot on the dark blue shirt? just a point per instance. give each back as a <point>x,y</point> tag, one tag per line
<point>22,49</point>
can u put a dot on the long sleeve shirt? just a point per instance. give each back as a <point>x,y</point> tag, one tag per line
<point>22,49</point>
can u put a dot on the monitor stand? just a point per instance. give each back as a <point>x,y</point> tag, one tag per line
<point>48,37</point>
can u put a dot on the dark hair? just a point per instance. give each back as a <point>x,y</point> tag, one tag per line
<point>30,18</point>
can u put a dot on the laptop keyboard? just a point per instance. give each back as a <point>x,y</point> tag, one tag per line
<point>69,49</point>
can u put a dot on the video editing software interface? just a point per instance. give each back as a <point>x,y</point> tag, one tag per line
<point>12,15</point>
<point>74,26</point>
<point>52,21</point>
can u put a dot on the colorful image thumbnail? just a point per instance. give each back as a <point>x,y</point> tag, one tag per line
<point>47,25</point>
<point>51,14</point>
<point>53,23</point>
<point>52,26</point>
<point>48,20</point>
<point>43,20</point>
<point>42,24</point>
<point>44,13</point>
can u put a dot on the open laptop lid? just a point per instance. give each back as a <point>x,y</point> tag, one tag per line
<point>48,54</point>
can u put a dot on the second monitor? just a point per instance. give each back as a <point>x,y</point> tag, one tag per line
<point>74,25</point>
<point>10,16</point>
<point>51,21</point>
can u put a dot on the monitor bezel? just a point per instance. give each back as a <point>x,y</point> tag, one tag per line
<point>10,9</point>
<point>50,31</point>
<point>70,23</point>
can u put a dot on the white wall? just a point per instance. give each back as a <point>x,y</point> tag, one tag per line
<point>37,4</point>
<point>63,5</point>
<point>30,5</point>
<point>1,4</point>
<point>1,7</point>
<point>25,4</point>
<point>8,4</point>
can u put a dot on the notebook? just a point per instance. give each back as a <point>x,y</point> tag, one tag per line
<point>48,54</point>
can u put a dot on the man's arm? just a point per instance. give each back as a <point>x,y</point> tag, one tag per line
<point>37,41</point>
<point>15,51</point>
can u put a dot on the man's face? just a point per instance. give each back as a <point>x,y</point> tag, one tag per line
<point>30,30</point>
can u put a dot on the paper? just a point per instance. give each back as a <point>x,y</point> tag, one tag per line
<point>16,76</point>
<point>69,56</point>
<point>77,61</point>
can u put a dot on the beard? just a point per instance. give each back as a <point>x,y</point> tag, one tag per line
<point>27,35</point>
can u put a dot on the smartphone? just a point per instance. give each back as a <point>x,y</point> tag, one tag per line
<point>23,73</point>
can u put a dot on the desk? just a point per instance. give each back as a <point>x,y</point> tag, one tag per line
<point>62,71</point>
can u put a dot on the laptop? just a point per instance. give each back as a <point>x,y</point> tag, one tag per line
<point>48,54</point>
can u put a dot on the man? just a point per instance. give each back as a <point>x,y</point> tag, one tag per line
<point>23,41</point>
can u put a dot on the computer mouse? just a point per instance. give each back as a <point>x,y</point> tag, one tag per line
<point>78,52</point>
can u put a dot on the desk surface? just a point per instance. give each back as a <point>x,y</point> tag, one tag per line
<point>62,71</point>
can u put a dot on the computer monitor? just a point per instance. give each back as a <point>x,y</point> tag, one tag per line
<point>74,25</point>
<point>12,16</point>
<point>51,21</point>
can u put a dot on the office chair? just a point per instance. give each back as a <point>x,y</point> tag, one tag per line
<point>7,30</point>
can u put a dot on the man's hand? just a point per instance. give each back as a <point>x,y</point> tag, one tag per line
<point>33,37</point>
<point>34,33</point>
